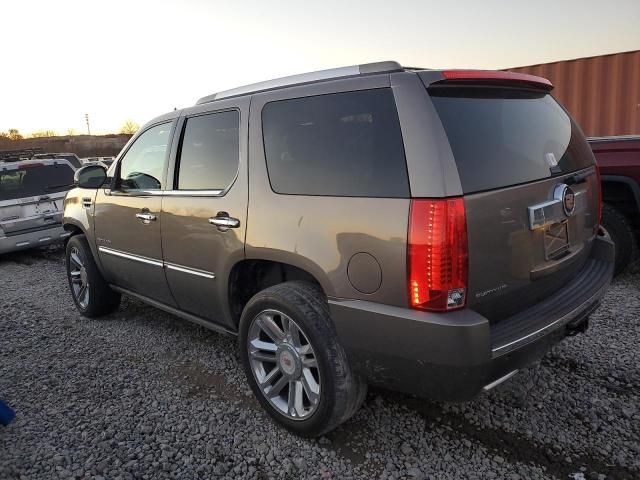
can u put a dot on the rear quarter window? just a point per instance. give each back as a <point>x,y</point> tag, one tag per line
<point>342,144</point>
<point>507,136</point>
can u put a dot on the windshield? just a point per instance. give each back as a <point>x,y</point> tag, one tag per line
<point>35,180</point>
<point>506,136</point>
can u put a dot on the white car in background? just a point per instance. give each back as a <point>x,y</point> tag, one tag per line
<point>73,159</point>
<point>31,202</point>
<point>104,161</point>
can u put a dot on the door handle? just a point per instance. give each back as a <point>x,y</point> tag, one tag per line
<point>146,217</point>
<point>224,222</point>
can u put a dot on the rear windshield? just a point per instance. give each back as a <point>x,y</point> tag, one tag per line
<point>34,181</point>
<point>506,136</point>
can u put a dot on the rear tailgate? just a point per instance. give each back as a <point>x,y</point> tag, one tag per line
<point>30,214</point>
<point>530,191</point>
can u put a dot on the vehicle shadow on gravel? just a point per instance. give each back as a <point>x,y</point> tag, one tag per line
<point>505,444</point>
<point>52,253</point>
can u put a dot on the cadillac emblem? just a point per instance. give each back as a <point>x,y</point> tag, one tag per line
<point>567,197</point>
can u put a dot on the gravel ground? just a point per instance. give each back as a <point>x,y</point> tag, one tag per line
<point>142,394</point>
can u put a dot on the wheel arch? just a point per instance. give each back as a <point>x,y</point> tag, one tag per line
<point>250,276</point>
<point>76,227</point>
<point>621,191</point>
<point>73,227</point>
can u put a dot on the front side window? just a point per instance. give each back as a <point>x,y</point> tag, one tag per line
<point>143,165</point>
<point>210,152</point>
<point>342,144</point>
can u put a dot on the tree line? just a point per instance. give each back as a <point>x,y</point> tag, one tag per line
<point>129,127</point>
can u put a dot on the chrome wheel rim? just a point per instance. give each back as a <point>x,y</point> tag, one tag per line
<point>284,364</point>
<point>79,280</point>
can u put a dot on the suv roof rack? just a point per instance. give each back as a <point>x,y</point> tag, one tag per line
<point>15,155</point>
<point>364,69</point>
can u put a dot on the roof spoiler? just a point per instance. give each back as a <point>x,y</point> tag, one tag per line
<point>493,76</point>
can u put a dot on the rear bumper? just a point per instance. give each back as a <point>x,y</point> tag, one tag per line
<point>33,239</point>
<point>454,356</point>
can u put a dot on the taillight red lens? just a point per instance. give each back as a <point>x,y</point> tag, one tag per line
<point>437,254</point>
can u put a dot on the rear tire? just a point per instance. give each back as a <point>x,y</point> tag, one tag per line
<point>91,293</point>
<point>622,235</point>
<point>338,392</point>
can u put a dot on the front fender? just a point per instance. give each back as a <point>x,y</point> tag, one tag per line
<point>78,217</point>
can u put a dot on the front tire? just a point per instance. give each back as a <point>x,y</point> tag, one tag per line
<point>293,361</point>
<point>91,293</point>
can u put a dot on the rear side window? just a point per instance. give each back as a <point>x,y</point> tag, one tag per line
<point>210,152</point>
<point>504,136</point>
<point>343,144</point>
<point>35,180</point>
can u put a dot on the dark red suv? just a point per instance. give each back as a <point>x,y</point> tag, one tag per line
<point>619,162</point>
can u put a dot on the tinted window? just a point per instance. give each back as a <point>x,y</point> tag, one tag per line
<point>344,144</point>
<point>33,181</point>
<point>143,165</point>
<point>210,152</point>
<point>503,137</point>
<point>73,160</point>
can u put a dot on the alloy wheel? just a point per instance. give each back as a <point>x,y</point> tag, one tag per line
<point>79,279</point>
<point>284,364</point>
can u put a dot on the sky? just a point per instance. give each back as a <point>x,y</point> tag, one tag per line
<point>134,59</point>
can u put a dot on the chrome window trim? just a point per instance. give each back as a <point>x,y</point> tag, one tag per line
<point>134,193</point>
<point>192,271</point>
<point>128,256</point>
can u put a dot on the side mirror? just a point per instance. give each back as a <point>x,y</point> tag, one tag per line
<point>91,176</point>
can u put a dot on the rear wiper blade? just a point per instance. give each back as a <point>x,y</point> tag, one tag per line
<point>577,178</point>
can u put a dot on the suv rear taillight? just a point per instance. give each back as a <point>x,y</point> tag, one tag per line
<point>437,254</point>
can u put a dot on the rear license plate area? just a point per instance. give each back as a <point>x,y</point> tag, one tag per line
<point>44,207</point>
<point>556,240</point>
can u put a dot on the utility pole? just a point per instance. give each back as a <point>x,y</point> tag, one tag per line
<point>86,117</point>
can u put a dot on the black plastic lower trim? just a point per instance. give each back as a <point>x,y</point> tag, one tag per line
<point>584,292</point>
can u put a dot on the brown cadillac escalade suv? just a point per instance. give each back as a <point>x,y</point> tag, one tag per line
<point>426,231</point>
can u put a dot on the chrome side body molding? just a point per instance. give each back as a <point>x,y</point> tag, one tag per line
<point>192,271</point>
<point>157,263</point>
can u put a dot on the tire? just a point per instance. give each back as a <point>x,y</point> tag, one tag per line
<point>98,299</point>
<point>298,306</point>
<point>622,235</point>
